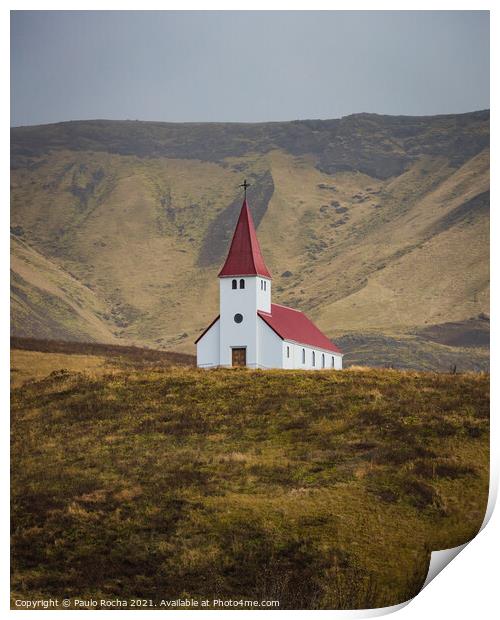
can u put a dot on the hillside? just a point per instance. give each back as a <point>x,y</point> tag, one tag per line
<point>460,346</point>
<point>370,224</point>
<point>33,359</point>
<point>160,483</point>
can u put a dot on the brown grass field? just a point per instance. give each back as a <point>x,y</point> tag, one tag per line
<point>135,476</point>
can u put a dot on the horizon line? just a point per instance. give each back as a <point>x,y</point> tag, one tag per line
<point>295,120</point>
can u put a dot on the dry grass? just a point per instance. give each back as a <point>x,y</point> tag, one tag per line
<point>33,365</point>
<point>33,359</point>
<point>323,490</point>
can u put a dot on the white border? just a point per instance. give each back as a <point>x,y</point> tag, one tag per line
<point>468,587</point>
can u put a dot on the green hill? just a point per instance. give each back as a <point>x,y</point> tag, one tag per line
<point>370,224</point>
<point>319,490</point>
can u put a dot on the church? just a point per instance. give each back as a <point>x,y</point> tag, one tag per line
<point>252,331</point>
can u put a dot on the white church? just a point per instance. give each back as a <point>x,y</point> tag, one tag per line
<point>250,330</point>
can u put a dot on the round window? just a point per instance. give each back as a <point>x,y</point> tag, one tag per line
<point>238,318</point>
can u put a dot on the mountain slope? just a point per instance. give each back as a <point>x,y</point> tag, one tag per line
<point>367,222</point>
<point>48,302</point>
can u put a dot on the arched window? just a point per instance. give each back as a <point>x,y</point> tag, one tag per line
<point>288,351</point>
<point>314,358</point>
<point>322,360</point>
<point>303,356</point>
<point>235,283</point>
<point>242,283</point>
<point>265,285</point>
<point>333,362</point>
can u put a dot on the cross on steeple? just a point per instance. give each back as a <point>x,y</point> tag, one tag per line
<point>245,185</point>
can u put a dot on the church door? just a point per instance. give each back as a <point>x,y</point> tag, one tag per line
<point>239,357</point>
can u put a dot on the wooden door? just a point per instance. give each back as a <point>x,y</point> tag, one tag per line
<point>239,357</point>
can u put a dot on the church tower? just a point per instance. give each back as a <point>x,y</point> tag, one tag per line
<point>244,290</point>
<point>252,331</point>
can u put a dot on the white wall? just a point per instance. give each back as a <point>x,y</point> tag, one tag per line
<point>207,348</point>
<point>244,334</point>
<point>264,294</point>
<point>294,360</point>
<point>273,352</point>
<point>270,346</point>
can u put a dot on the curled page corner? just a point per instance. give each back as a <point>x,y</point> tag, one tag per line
<point>439,560</point>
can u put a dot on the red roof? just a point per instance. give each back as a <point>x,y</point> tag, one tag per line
<point>244,257</point>
<point>294,325</point>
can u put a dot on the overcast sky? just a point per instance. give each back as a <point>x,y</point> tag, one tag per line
<point>245,66</point>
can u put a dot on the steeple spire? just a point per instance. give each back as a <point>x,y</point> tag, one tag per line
<point>244,257</point>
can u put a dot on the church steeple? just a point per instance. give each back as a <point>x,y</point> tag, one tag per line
<point>252,331</point>
<point>244,257</point>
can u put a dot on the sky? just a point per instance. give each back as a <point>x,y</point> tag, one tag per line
<point>245,66</point>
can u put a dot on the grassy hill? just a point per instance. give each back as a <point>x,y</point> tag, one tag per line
<point>137,478</point>
<point>33,359</point>
<point>370,224</point>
